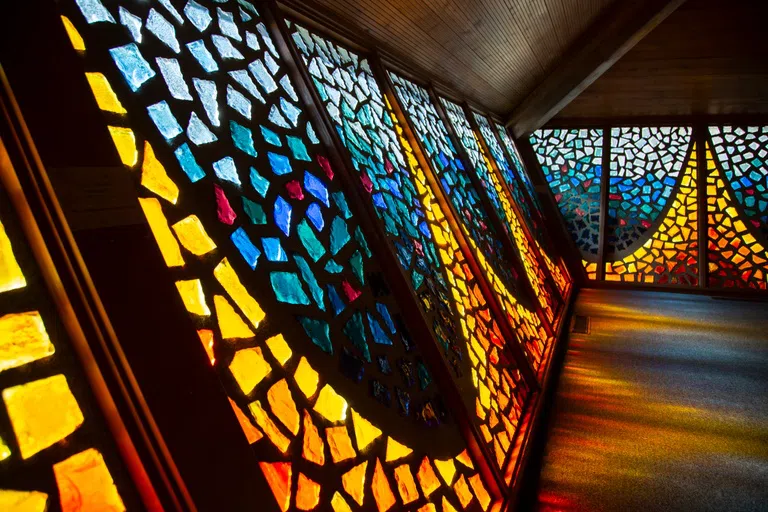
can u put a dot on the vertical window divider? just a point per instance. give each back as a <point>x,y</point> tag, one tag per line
<point>605,180</point>
<point>701,139</point>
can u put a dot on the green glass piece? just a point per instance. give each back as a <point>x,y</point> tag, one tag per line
<point>356,261</point>
<point>309,277</point>
<point>361,240</point>
<point>311,243</point>
<point>332,267</point>
<point>424,378</point>
<point>341,202</point>
<point>298,148</point>
<point>355,331</point>
<point>339,235</point>
<point>416,279</point>
<point>259,182</point>
<point>287,288</point>
<point>254,211</point>
<point>319,332</point>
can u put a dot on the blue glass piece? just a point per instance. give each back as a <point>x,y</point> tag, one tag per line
<point>262,76</point>
<point>403,401</point>
<point>270,136</point>
<point>277,118</point>
<point>174,79</point>
<point>225,48</point>
<point>238,102</point>
<point>163,30</point>
<point>287,288</point>
<point>381,393</point>
<point>290,110</point>
<point>314,247</point>
<point>227,24</point>
<point>207,92</point>
<point>198,15</point>
<point>135,69</point>
<point>243,138</point>
<point>361,240</point>
<point>315,215</point>
<point>244,16</point>
<point>172,11</point>
<point>254,211</point>
<point>273,249</point>
<point>298,148</point>
<point>350,366</point>
<point>198,132</point>
<point>317,188</point>
<point>319,332</point>
<point>267,39</point>
<point>384,312</point>
<point>341,202</point>
<point>311,134</point>
<point>280,164</point>
<point>260,183</point>
<point>164,120</point>
<point>226,170</point>
<point>384,366</point>
<point>282,214</point>
<point>378,200</point>
<point>355,331</point>
<point>336,303</point>
<point>333,268</point>
<point>248,251</point>
<point>188,163</point>
<point>203,57</point>
<point>424,228</point>
<point>379,336</point>
<point>309,277</point>
<point>339,235</point>
<point>287,86</point>
<point>252,41</point>
<point>244,79</point>
<point>132,23</point>
<point>94,11</point>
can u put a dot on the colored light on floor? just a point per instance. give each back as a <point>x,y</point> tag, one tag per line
<point>229,280</point>
<point>105,96</point>
<point>340,444</point>
<point>282,405</point>
<point>249,368</point>
<point>406,485</point>
<point>278,476</point>
<point>11,277</point>
<point>23,339</point>
<point>306,378</point>
<point>331,405</point>
<point>396,451</point>
<point>192,236</point>
<point>192,295</point>
<point>365,432</point>
<point>158,224</point>
<point>382,492</point>
<point>252,434</point>
<point>307,493</point>
<point>23,501</point>
<point>155,179</point>
<point>125,143</point>
<point>313,448</point>
<point>85,483</point>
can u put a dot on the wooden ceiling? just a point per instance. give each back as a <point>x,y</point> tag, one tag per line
<point>493,52</point>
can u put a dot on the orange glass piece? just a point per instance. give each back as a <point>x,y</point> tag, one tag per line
<point>193,236</point>
<point>74,36</point>
<point>252,434</point>
<point>229,280</point>
<point>268,426</point>
<point>382,492</point>
<point>42,412</point>
<point>23,339</point>
<point>464,458</point>
<point>339,504</point>
<point>125,143</point>
<point>159,226</point>
<point>429,507</point>
<point>280,349</point>
<point>278,476</point>
<point>307,493</point>
<point>396,451</point>
<point>462,491</point>
<point>105,96</point>
<point>314,447</point>
<point>154,177</point>
<point>447,470</point>
<point>353,482</point>
<point>11,277</point>
<point>230,323</point>
<point>447,507</point>
<point>192,295</point>
<point>340,443</point>
<point>427,478</point>
<point>84,483</point>
<point>23,501</point>
<point>365,432</point>
<point>207,339</point>
<point>249,368</point>
<point>306,378</point>
<point>282,405</point>
<point>480,492</point>
<point>406,485</point>
<point>331,405</point>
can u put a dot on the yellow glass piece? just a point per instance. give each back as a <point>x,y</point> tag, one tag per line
<point>249,368</point>
<point>307,493</point>
<point>207,339</point>
<point>314,448</point>
<point>192,295</point>
<point>447,470</point>
<point>406,485</point>
<point>340,443</point>
<point>278,476</point>
<point>105,96</point>
<point>339,504</point>
<point>252,434</point>
<point>331,405</point>
<point>427,478</point>
<point>42,412</point>
<point>382,492</point>
<point>23,339</point>
<point>11,277</point>
<point>353,482</point>
<point>125,143</point>
<point>280,349</point>
<point>5,452</point>
<point>84,483</point>
<point>306,378</point>
<point>465,459</point>
<point>480,492</point>
<point>230,323</point>
<point>23,501</point>
<point>159,226</point>
<point>268,426</point>
<point>447,507</point>
<point>154,177</point>
<point>396,451</point>
<point>231,283</point>
<point>462,491</point>
<point>192,236</point>
<point>365,432</point>
<point>74,36</point>
<point>429,507</point>
<point>282,405</point>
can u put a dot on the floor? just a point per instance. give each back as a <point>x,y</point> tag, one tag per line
<point>662,406</point>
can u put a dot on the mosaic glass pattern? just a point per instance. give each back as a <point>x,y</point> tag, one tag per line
<point>645,165</point>
<point>518,172</point>
<point>572,164</point>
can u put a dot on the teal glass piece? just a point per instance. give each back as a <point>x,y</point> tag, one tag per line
<point>417,278</point>
<point>207,92</point>
<point>298,148</point>
<point>238,102</point>
<point>94,11</point>
<point>163,30</point>
<point>244,16</point>
<point>198,132</point>
<point>131,63</point>
<point>270,136</point>
<point>315,216</point>
<point>291,111</point>
<point>226,170</point>
<point>287,288</point>
<point>356,262</point>
<point>131,22</point>
<point>273,249</point>
<point>246,82</point>
<point>225,48</point>
<point>314,247</point>
<point>260,183</point>
<point>282,215</point>
<point>277,118</point>
<point>316,187</point>
<point>309,277</point>
<point>243,138</point>
<point>174,79</point>
<point>333,268</point>
<point>355,331</point>
<point>254,211</point>
<point>198,15</point>
<point>280,164</point>
<point>203,57</point>
<point>319,332</point>
<point>262,76</point>
<point>248,251</point>
<point>336,303</point>
<point>362,241</point>
<point>188,163</point>
<point>227,24</point>
<point>339,235</point>
<point>164,120</point>
<point>424,377</point>
<point>384,312</point>
<point>379,336</point>
<point>341,202</point>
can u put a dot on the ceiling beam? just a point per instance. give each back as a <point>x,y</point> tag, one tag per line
<point>617,30</point>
